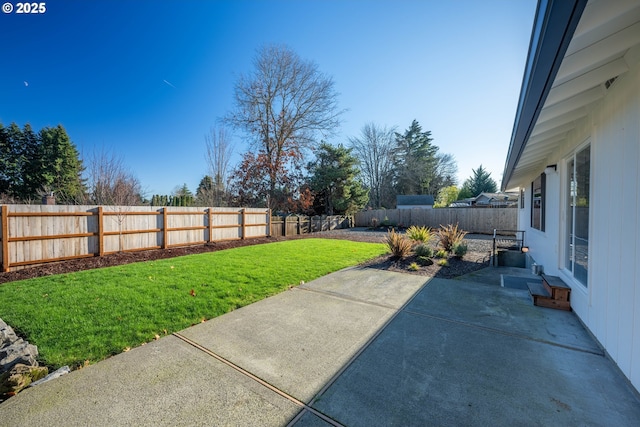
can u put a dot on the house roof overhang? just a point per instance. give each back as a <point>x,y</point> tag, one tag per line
<point>576,47</point>
<point>553,27</point>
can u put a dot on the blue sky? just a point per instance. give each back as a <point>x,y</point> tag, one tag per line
<point>149,78</point>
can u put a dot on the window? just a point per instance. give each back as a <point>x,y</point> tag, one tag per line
<point>522,198</point>
<point>538,190</point>
<point>577,223</point>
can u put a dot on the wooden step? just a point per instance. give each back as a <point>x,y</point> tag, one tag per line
<point>558,289</point>
<point>545,295</point>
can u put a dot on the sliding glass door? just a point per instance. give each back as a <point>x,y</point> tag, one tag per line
<point>577,226</point>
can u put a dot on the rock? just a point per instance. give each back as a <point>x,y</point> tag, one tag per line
<point>7,335</point>
<point>56,374</point>
<point>17,352</point>
<point>18,363</point>
<point>19,377</point>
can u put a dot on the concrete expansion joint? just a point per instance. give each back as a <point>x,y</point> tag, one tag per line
<point>348,298</point>
<point>505,333</point>
<point>259,380</point>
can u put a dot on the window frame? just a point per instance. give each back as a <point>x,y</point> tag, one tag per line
<point>573,179</point>
<point>538,207</point>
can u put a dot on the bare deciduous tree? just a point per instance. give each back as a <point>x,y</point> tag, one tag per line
<point>219,149</point>
<point>374,150</point>
<point>109,181</point>
<point>281,106</point>
<point>444,174</point>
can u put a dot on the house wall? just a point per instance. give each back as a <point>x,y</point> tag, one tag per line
<point>610,305</point>
<point>543,245</point>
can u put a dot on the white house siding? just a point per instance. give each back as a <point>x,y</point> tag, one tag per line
<point>610,305</point>
<point>543,245</point>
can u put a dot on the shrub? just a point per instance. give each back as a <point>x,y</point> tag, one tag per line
<point>441,254</point>
<point>449,236</point>
<point>419,234</point>
<point>423,260</point>
<point>423,250</point>
<point>385,221</point>
<point>414,266</point>
<point>459,249</point>
<point>399,245</point>
<point>443,263</point>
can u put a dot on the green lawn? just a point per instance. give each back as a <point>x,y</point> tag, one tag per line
<point>90,315</point>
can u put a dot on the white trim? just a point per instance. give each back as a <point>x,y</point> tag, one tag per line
<point>563,229</point>
<point>574,284</point>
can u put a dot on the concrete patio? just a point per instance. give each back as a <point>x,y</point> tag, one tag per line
<point>359,347</point>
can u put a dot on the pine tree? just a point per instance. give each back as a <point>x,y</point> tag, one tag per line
<point>415,160</point>
<point>479,182</point>
<point>61,166</point>
<point>211,192</point>
<point>10,159</point>
<point>33,162</point>
<point>31,166</point>
<point>334,181</point>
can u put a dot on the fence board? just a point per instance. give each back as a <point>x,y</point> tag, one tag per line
<point>291,225</point>
<point>34,234</point>
<point>473,220</point>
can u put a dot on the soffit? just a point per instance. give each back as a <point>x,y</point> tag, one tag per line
<point>599,50</point>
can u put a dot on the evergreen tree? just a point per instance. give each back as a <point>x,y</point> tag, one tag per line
<point>205,192</point>
<point>160,200</point>
<point>479,182</point>
<point>415,160</point>
<point>10,159</point>
<point>62,168</point>
<point>34,162</point>
<point>212,192</point>
<point>31,165</point>
<point>334,181</point>
<point>182,196</point>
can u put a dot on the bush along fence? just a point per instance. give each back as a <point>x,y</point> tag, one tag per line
<point>482,221</point>
<point>282,226</point>
<point>35,234</point>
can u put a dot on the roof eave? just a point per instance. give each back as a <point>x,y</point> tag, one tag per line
<point>553,28</point>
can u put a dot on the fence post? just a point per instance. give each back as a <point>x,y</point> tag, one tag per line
<point>100,232</point>
<point>244,223</point>
<point>5,238</point>
<point>210,225</point>
<point>284,226</point>
<point>165,232</point>
<point>269,222</point>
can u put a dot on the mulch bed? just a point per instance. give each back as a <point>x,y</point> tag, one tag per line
<point>455,267</point>
<point>476,258</point>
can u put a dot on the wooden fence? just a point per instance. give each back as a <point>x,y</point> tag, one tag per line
<point>35,234</point>
<point>291,225</point>
<point>473,220</point>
